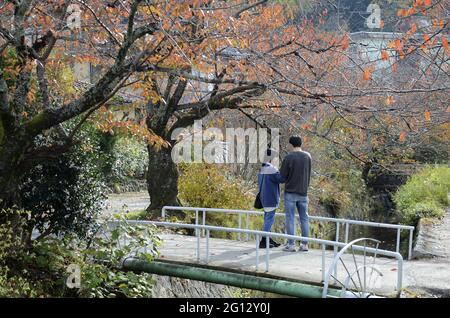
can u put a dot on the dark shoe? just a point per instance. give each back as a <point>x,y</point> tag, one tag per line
<point>275,244</point>
<point>262,244</point>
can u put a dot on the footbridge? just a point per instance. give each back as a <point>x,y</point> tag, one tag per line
<point>331,268</point>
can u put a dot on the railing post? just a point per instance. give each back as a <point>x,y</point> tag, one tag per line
<point>163,213</point>
<point>335,274</point>
<point>267,251</point>
<point>247,221</point>
<point>338,225</point>
<point>196,223</point>
<point>207,246</point>
<point>397,246</point>
<point>239,225</point>
<point>347,225</point>
<point>400,275</point>
<point>198,244</point>
<point>257,252</point>
<point>203,221</point>
<point>337,237</point>
<point>410,244</point>
<point>323,262</point>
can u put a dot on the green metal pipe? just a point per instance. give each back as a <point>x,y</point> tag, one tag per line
<point>228,278</point>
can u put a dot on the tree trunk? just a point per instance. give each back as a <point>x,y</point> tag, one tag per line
<point>11,172</point>
<point>162,180</point>
<point>11,152</point>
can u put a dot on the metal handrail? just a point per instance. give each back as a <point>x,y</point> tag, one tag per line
<point>346,222</point>
<point>268,235</point>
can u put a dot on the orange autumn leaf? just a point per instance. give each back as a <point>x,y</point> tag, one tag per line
<point>305,126</point>
<point>389,101</point>
<point>384,55</point>
<point>367,74</point>
<point>394,67</point>
<point>402,136</point>
<point>391,45</point>
<point>427,115</point>
<point>398,44</point>
<point>345,43</point>
<point>445,44</point>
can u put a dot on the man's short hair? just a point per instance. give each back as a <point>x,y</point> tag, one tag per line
<point>295,141</point>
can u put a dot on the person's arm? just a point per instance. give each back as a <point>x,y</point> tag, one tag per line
<point>279,178</point>
<point>284,170</point>
<point>310,169</point>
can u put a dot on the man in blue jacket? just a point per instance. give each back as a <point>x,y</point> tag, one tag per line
<point>269,179</point>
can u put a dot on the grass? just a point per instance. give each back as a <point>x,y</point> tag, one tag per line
<point>133,215</point>
<point>425,194</point>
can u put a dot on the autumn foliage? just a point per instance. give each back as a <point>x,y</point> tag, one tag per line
<point>171,62</point>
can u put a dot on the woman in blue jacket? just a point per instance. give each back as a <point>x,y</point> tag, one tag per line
<point>269,179</point>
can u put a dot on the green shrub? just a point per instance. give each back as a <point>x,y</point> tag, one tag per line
<point>16,286</point>
<point>40,270</point>
<point>130,160</point>
<point>424,209</point>
<point>210,186</point>
<point>101,274</point>
<point>65,194</point>
<point>207,185</point>
<point>20,274</point>
<point>344,194</point>
<point>425,194</point>
<point>132,215</point>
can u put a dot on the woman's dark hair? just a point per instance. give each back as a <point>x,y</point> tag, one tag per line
<point>295,141</point>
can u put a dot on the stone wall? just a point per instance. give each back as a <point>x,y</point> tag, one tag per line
<point>174,287</point>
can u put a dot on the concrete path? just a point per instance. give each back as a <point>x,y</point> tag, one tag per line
<point>430,270</point>
<point>300,266</point>
<point>434,238</point>
<point>128,201</point>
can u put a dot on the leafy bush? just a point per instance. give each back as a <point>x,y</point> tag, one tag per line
<point>101,274</point>
<point>344,194</point>
<point>130,160</point>
<point>66,194</point>
<point>425,209</point>
<point>11,251</point>
<point>132,215</point>
<point>15,286</point>
<point>425,194</point>
<point>210,186</point>
<point>40,270</point>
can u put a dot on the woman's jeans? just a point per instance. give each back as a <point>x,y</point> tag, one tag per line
<point>291,201</point>
<point>269,218</point>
